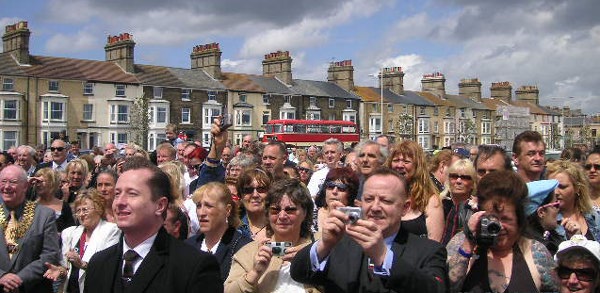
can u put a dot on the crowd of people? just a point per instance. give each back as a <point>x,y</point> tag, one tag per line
<point>378,216</point>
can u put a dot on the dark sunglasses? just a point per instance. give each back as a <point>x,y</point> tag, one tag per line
<point>273,210</point>
<point>455,176</point>
<point>302,169</point>
<point>589,166</point>
<point>586,275</point>
<point>60,149</point>
<point>250,189</point>
<point>340,186</point>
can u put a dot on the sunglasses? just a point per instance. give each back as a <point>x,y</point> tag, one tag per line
<point>586,275</point>
<point>302,169</point>
<point>340,186</point>
<point>455,176</point>
<point>589,166</point>
<point>60,149</point>
<point>250,189</point>
<point>273,210</point>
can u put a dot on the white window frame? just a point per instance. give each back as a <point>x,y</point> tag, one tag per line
<point>288,99</point>
<point>8,84</point>
<point>348,104</point>
<point>266,116</point>
<point>212,96</point>
<point>208,112</point>
<point>165,114</point>
<point>48,111</point>
<point>287,114</point>
<point>120,90</point>
<point>349,117</point>
<point>186,115</point>
<point>16,110</point>
<point>266,99</point>
<point>243,98</point>
<point>312,101</point>
<point>88,112</point>
<point>449,127</point>
<point>424,142</point>
<point>157,92</point>
<point>486,127</point>
<point>375,124</point>
<point>6,143</point>
<point>331,103</point>
<point>186,94</point>
<point>243,117</point>
<point>88,88</point>
<point>53,86</point>
<point>313,115</point>
<point>423,124</point>
<point>117,114</point>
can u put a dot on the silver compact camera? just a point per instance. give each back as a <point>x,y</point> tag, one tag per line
<point>279,248</point>
<point>354,213</point>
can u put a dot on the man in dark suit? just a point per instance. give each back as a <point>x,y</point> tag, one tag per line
<point>29,237</point>
<point>59,149</point>
<point>148,259</point>
<point>373,254</point>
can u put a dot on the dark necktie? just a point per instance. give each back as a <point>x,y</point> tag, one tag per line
<point>130,257</point>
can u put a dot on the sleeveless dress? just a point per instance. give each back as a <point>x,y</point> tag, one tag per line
<point>415,226</point>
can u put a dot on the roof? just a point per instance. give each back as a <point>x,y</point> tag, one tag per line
<point>176,77</point>
<point>271,85</point>
<point>436,100</point>
<point>533,108</point>
<point>67,68</point>
<point>467,102</point>
<point>321,89</point>
<point>241,82</point>
<point>372,94</point>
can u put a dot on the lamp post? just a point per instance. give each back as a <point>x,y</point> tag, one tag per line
<point>380,76</point>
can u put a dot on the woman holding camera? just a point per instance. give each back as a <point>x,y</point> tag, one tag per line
<point>218,217</point>
<point>341,184</point>
<point>495,256</point>
<point>265,266</point>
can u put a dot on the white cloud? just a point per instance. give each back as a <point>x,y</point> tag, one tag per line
<point>63,43</point>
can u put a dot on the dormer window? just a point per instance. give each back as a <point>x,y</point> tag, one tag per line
<point>186,94</point>
<point>212,96</point>
<point>53,86</point>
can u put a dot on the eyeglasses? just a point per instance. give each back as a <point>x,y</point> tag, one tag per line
<point>586,275</point>
<point>482,172</point>
<point>589,167</point>
<point>273,210</point>
<point>60,149</point>
<point>340,186</point>
<point>455,176</point>
<point>302,169</point>
<point>83,211</point>
<point>13,182</point>
<point>250,189</point>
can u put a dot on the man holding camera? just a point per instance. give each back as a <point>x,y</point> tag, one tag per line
<point>373,254</point>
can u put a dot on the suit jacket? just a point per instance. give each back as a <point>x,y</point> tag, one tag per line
<point>41,166</point>
<point>170,266</point>
<point>105,234</point>
<point>230,243</point>
<point>37,246</point>
<point>419,265</point>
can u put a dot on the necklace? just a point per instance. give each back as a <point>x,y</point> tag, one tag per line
<point>255,233</point>
<point>23,225</point>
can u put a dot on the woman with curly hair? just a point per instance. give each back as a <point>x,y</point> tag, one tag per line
<point>425,216</point>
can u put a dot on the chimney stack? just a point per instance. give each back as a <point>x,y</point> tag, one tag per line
<point>434,83</point>
<point>528,93</point>
<point>393,79</point>
<point>278,64</point>
<point>16,41</point>
<point>501,90</point>
<point>342,74</point>
<point>207,57</point>
<point>471,88</point>
<point>119,49</point>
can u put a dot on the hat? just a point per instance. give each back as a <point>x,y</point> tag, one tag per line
<point>462,152</point>
<point>538,192</point>
<point>579,241</point>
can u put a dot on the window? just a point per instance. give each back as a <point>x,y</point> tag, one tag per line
<point>119,114</point>
<point>312,101</point>
<point>11,110</point>
<point>243,98</point>
<point>436,111</point>
<point>53,86</point>
<point>266,117</point>
<point>54,110</point>
<point>463,113</point>
<point>88,88</point>
<point>88,111</point>
<point>423,125</point>
<point>119,137</point>
<point>421,110</point>
<point>449,127</point>
<point>9,139</point>
<point>485,115</point>
<point>349,117</point>
<point>348,104</point>
<point>212,96</point>
<point>8,84</point>
<point>486,127</point>
<point>313,115</point>
<point>375,107</point>
<point>157,92</point>
<point>287,114</point>
<point>266,99</point>
<point>161,115</point>
<point>390,108</point>
<point>331,103</point>
<point>288,99</point>
<point>208,114</point>
<point>120,90</point>
<point>243,117</point>
<point>447,112</point>
<point>186,94</point>
<point>186,115</point>
<point>436,127</point>
<point>486,140</point>
<point>375,124</point>
<point>423,142</point>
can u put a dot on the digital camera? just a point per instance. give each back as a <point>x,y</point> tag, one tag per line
<point>279,248</point>
<point>489,228</point>
<point>354,213</point>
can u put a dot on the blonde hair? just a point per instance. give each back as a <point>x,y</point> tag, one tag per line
<point>574,171</point>
<point>97,200</point>
<point>52,178</point>
<point>466,166</point>
<point>175,174</point>
<point>223,196</point>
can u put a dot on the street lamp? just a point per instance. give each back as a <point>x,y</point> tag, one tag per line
<point>380,76</point>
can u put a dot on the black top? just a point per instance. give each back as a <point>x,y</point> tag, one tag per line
<point>477,279</point>
<point>416,226</point>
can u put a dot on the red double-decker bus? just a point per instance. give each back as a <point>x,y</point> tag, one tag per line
<point>309,132</point>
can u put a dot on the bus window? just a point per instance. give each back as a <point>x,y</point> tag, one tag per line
<point>288,128</point>
<point>313,129</point>
<point>276,128</point>
<point>336,129</point>
<point>349,129</point>
<point>324,128</point>
<point>300,128</point>
<point>269,128</point>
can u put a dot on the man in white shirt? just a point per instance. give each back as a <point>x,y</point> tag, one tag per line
<point>332,152</point>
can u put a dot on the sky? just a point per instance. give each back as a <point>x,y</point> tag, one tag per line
<point>553,44</point>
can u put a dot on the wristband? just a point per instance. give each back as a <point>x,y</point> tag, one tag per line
<point>464,253</point>
<point>213,161</point>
